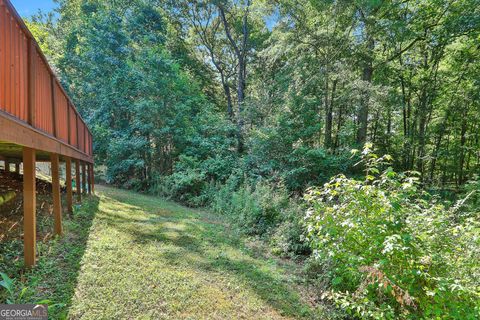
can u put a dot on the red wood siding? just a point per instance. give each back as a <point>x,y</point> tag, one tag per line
<point>30,91</point>
<point>61,112</point>
<point>13,66</point>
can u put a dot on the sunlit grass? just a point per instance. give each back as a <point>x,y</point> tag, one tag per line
<point>147,258</point>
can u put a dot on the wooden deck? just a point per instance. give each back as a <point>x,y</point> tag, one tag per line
<point>38,122</point>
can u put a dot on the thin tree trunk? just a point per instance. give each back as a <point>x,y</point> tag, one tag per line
<point>228,95</point>
<point>463,140</point>
<point>438,143</point>
<point>339,126</point>
<point>375,128</point>
<point>367,77</point>
<point>405,112</point>
<point>240,53</point>
<point>422,110</point>
<point>329,115</point>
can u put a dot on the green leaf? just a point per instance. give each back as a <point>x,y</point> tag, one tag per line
<point>337,280</point>
<point>6,282</point>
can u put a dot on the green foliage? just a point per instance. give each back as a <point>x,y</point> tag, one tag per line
<point>149,109</point>
<point>160,83</point>
<point>16,295</point>
<point>394,251</point>
<point>185,185</point>
<point>277,152</point>
<point>8,285</point>
<point>41,25</point>
<point>261,208</point>
<point>53,280</point>
<point>287,238</point>
<point>255,209</point>
<point>207,160</point>
<point>472,195</point>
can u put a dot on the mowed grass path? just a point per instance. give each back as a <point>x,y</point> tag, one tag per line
<point>148,258</point>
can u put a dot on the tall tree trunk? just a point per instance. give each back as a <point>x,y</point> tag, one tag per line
<point>373,136</point>
<point>240,101</point>
<point>226,89</point>
<point>463,140</point>
<point>470,147</point>
<point>241,55</point>
<point>438,143</point>
<point>406,113</point>
<point>421,132</point>
<point>412,123</point>
<point>329,115</point>
<point>339,126</point>
<point>422,112</point>
<point>445,164</point>
<point>365,100</point>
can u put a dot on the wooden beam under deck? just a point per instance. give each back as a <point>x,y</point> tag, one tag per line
<point>17,132</point>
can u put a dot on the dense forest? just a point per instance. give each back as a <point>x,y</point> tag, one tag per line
<point>253,108</point>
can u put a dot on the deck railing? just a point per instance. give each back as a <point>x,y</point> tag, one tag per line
<point>30,90</point>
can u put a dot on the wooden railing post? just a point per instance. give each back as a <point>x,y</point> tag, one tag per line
<point>29,206</point>
<point>57,202</point>
<point>68,182</point>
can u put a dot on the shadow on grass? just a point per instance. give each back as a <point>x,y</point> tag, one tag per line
<point>55,276</point>
<point>206,246</point>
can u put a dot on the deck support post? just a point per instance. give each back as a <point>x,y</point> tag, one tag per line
<point>17,168</point>
<point>7,165</point>
<point>84,179</point>
<point>77,180</point>
<point>29,206</point>
<point>89,178</point>
<point>92,177</point>
<point>57,200</point>
<point>68,183</point>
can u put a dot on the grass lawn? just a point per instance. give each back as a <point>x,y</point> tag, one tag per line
<point>130,256</point>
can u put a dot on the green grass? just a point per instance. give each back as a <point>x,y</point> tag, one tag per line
<point>130,256</point>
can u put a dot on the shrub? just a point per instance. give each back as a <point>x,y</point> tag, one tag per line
<point>287,239</point>
<point>394,251</point>
<point>263,209</point>
<point>472,195</point>
<point>185,186</point>
<point>255,209</point>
